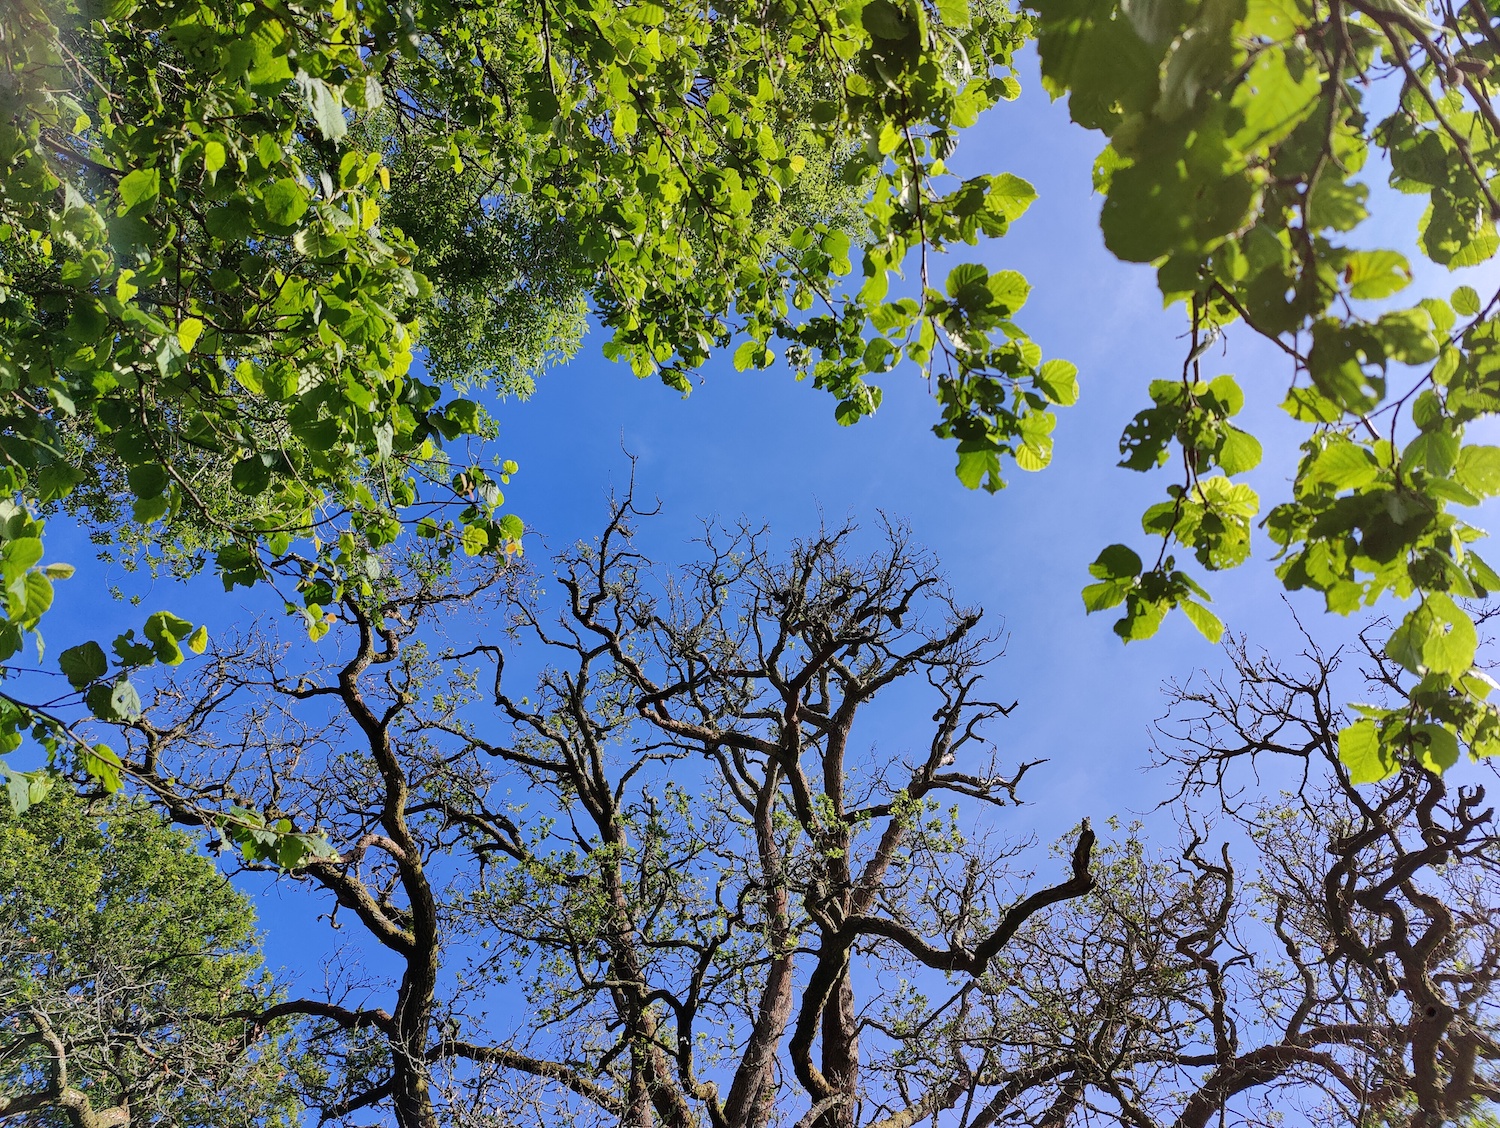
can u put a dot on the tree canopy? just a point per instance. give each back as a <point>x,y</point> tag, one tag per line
<point>1241,142</point>
<point>129,971</point>
<point>226,231</point>
<point>200,288</point>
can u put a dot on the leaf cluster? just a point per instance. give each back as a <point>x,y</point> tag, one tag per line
<point>1238,135</point>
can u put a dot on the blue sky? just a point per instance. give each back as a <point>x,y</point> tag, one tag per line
<point>762,446</point>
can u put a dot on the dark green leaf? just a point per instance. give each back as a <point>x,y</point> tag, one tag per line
<point>83,664</point>
<point>1117,562</point>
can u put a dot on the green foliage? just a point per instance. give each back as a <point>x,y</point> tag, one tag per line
<point>508,291</point>
<point>227,232</point>
<point>274,841</point>
<point>1238,131</point>
<point>125,959</point>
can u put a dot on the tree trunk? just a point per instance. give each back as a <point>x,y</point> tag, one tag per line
<point>841,1054</point>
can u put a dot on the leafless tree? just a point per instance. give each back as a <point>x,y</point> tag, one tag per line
<point>1334,957</point>
<point>708,861</point>
<point>703,894</point>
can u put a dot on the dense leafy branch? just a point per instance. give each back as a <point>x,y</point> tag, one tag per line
<point>1238,135</point>
<point>227,232</point>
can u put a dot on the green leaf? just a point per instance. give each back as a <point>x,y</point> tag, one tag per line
<point>1058,381</point>
<point>1482,575</point>
<point>1466,301</point>
<point>1274,101</point>
<point>1117,562</point>
<point>1308,405</point>
<point>290,851</point>
<point>1363,754</point>
<point>627,121</point>
<point>17,790</point>
<point>1239,452</point>
<point>166,632</point>
<point>1407,336</point>
<point>955,13</point>
<point>1109,593</point>
<point>1142,619</point>
<point>1343,465</point>
<point>38,591</point>
<point>884,20</point>
<point>1478,470</point>
<point>1338,204</point>
<point>26,789</point>
<point>57,480</point>
<point>1206,621</point>
<point>1442,321</point>
<point>1376,274</point>
<point>268,150</point>
<point>1227,391</point>
<point>250,475</point>
<point>542,106</point>
<point>1144,442</point>
<point>189,329</point>
<point>1010,196</point>
<point>1435,746</point>
<point>1194,62</point>
<point>17,557</point>
<point>147,480</point>
<point>117,702</point>
<point>102,764</point>
<point>1034,456</point>
<point>1436,450</point>
<point>475,540</point>
<point>976,466</point>
<point>1450,644</point>
<point>1436,636</point>
<point>966,278</point>
<point>1008,290</point>
<point>322,104</point>
<point>139,190</point>
<point>285,202</point>
<point>83,664</point>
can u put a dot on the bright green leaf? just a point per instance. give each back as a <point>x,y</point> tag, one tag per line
<point>139,190</point>
<point>1363,754</point>
<point>1206,621</point>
